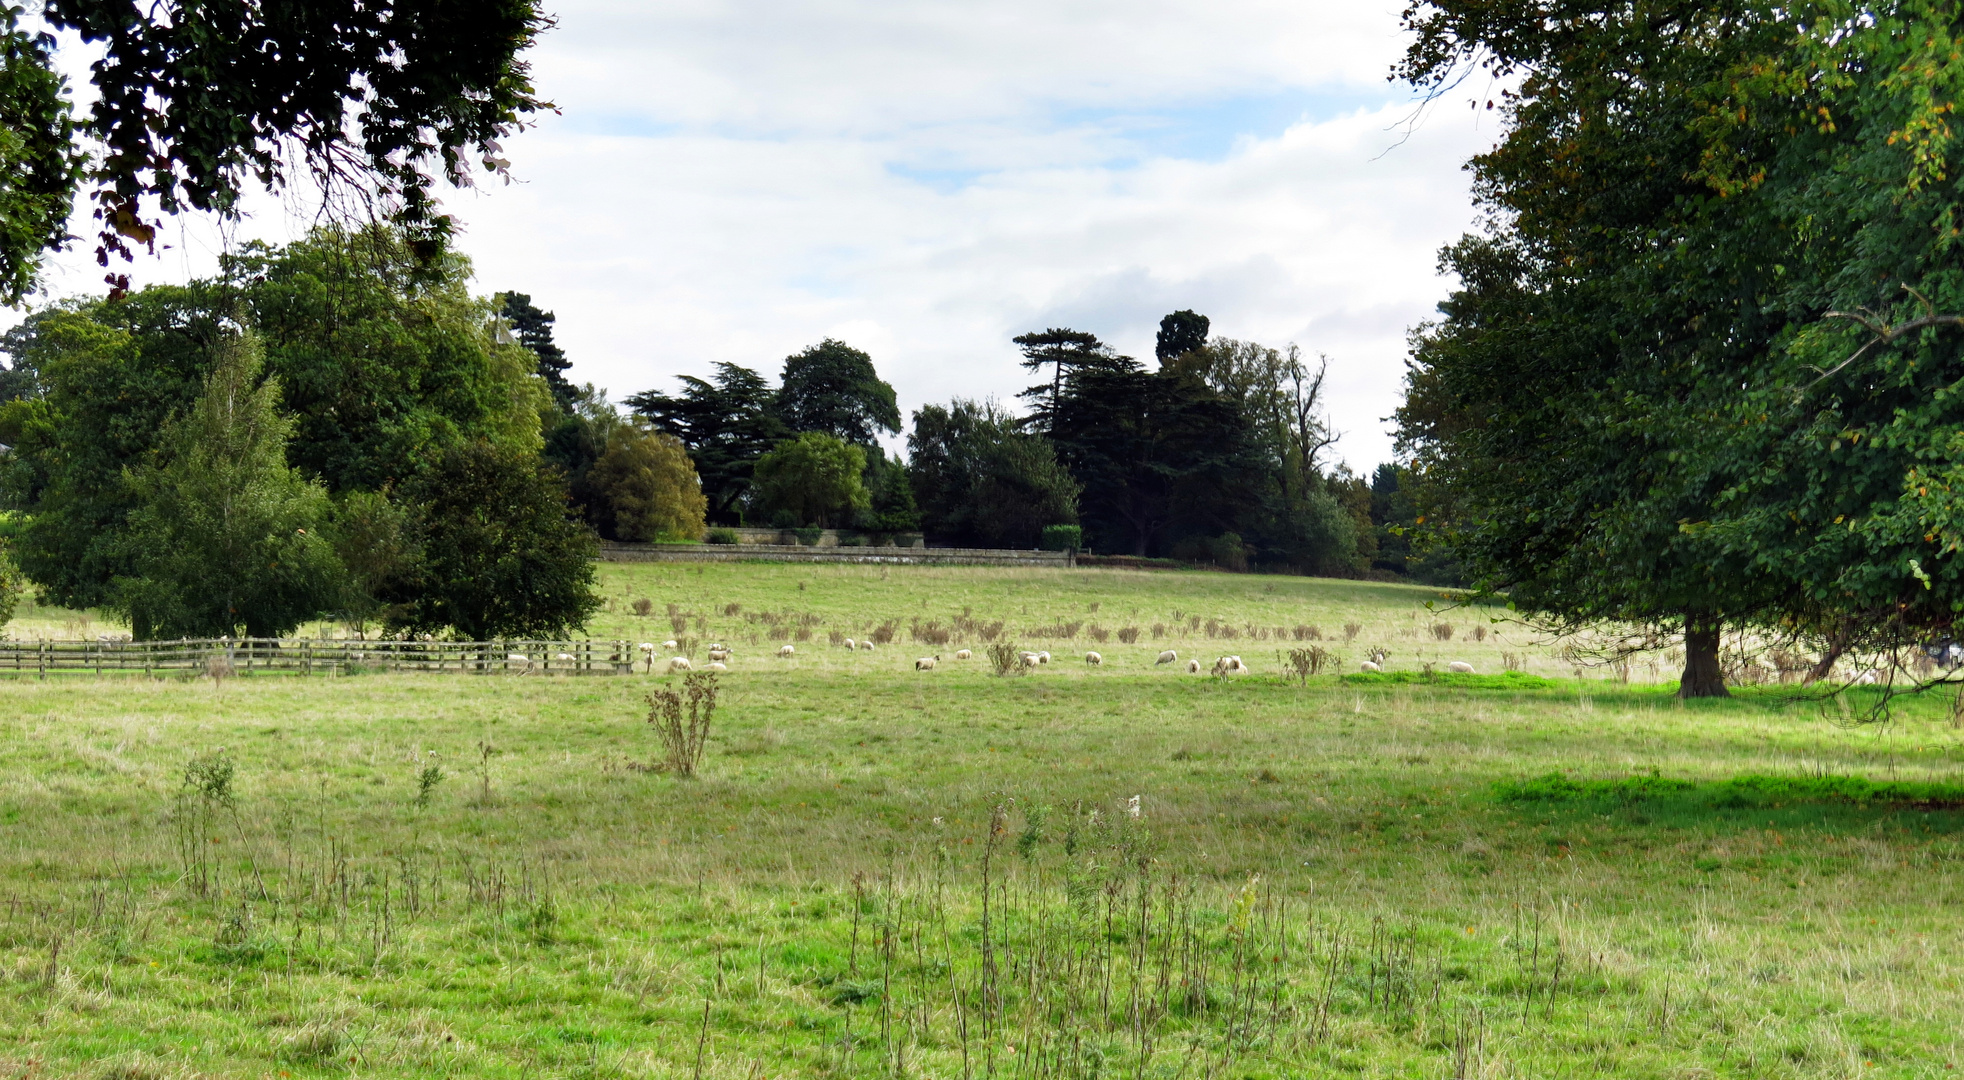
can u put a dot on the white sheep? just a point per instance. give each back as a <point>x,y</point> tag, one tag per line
<point>1370,667</point>
<point>671,645</point>
<point>648,653</point>
<point>851,644</point>
<point>714,666</point>
<point>787,651</point>
<point>1167,657</point>
<point>680,663</point>
<point>1028,659</point>
<point>1043,657</point>
<point>963,654</point>
<point>1093,659</point>
<point>865,646</point>
<point>926,663</point>
<point>717,653</point>
<point>1460,667</point>
<point>520,659</point>
<point>1193,667</point>
<point>564,657</point>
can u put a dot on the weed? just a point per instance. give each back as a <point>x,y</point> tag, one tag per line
<point>1442,631</point>
<point>1351,630</point>
<point>682,718</point>
<point>643,606</point>
<point>1005,657</point>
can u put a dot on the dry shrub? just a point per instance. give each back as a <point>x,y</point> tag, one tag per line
<point>1442,631</point>
<point>678,623</point>
<point>732,609</point>
<point>681,719</point>
<point>1312,661</point>
<point>1099,634</point>
<point>1479,633</point>
<point>883,634</point>
<point>1065,630</point>
<point>1158,630</point>
<point>779,632</point>
<point>1351,630</point>
<point>1512,661</point>
<point>1002,657</point>
<point>836,637</point>
<point>804,633</point>
<point>1308,633</point>
<point>930,632</point>
<point>643,606</point>
<point>1128,634</point>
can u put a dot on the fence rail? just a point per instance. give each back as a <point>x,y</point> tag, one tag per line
<point>319,656</point>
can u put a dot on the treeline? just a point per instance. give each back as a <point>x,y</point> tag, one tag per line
<point>1215,454</point>
<point>335,428</point>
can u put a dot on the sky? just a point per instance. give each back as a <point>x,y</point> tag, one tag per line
<point>733,181</point>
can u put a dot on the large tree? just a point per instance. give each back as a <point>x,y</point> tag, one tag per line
<point>832,387</point>
<point>727,422</point>
<point>983,481</point>
<point>1065,352</point>
<point>226,537</point>
<point>374,102</point>
<point>814,479</point>
<point>533,328</point>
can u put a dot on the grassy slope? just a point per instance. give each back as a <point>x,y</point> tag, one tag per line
<point>586,910</point>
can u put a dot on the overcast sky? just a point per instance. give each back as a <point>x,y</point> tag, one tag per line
<point>735,181</point>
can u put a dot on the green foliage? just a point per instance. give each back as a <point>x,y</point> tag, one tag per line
<point>498,553</point>
<point>647,486</point>
<point>370,534</point>
<point>13,584</point>
<point>226,538</point>
<point>1065,352</point>
<point>1740,792</point>
<point>727,423</point>
<point>832,388</point>
<point>981,481</point>
<point>533,327</point>
<point>722,536</point>
<point>374,101</point>
<point>1180,333</point>
<point>1061,538</point>
<point>39,154</point>
<point>815,478</point>
<point>890,492</point>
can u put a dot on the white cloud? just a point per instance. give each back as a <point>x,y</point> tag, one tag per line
<point>736,181</point>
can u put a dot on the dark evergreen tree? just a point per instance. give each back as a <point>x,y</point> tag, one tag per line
<point>533,328</point>
<point>983,481</point>
<point>1064,351</point>
<point>727,422</point>
<point>832,388</point>
<point>1180,333</point>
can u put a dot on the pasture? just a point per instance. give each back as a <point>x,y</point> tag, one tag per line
<point>1076,872</point>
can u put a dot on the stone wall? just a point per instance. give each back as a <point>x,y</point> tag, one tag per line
<point>926,556</point>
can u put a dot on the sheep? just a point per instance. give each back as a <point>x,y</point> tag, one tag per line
<point>564,657</point>
<point>1460,667</point>
<point>963,654</point>
<point>671,645</point>
<point>524,661</point>
<point>1043,657</point>
<point>718,653</point>
<point>1028,659</point>
<point>851,644</point>
<point>926,663</point>
<point>680,663</point>
<point>1093,659</point>
<point>714,666</point>
<point>1167,657</point>
<point>1230,665</point>
<point>865,646</point>
<point>1193,667</point>
<point>648,653</point>
<point>1370,667</point>
<point>787,651</point>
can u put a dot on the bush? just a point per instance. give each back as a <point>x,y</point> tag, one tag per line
<point>813,478</point>
<point>808,536</point>
<point>1061,538</point>
<point>648,485</point>
<point>722,536</point>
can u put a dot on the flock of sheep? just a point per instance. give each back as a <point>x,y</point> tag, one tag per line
<point>719,655</point>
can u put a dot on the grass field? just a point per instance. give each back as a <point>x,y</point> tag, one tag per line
<point>941,874</point>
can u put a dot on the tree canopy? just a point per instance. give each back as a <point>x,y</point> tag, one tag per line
<point>831,387</point>
<point>727,422</point>
<point>375,102</point>
<point>982,481</point>
<point>814,479</point>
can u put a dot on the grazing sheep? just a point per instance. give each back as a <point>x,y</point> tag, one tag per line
<point>717,654</point>
<point>851,644</point>
<point>926,663</point>
<point>786,651</point>
<point>1028,659</point>
<point>963,654</point>
<point>680,663</point>
<point>713,666</point>
<point>1043,657</point>
<point>1230,665</point>
<point>648,653</point>
<point>1093,659</point>
<point>1166,657</point>
<point>1460,667</point>
<point>1370,667</point>
<point>1193,667</point>
<point>524,661</point>
<point>565,657</point>
<point>865,646</point>
<point>671,645</point>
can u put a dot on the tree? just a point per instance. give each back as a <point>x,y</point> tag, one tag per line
<point>648,486</point>
<point>727,422</point>
<point>813,479</point>
<point>982,481</point>
<point>890,493</point>
<point>832,388</point>
<point>575,440</point>
<point>534,330</point>
<point>498,553</point>
<point>370,535</point>
<point>372,101</point>
<point>226,537</point>
<point>1565,405</point>
<point>1066,352</point>
<point>1180,333</point>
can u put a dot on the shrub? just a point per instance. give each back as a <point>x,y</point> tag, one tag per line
<point>1002,657</point>
<point>1442,631</point>
<point>883,634</point>
<point>722,536</point>
<point>1129,634</point>
<point>809,535</point>
<point>681,719</point>
<point>1351,630</point>
<point>1308,633</point>
<point>1061,538</point>
<point>649,486</point>
<point>1099,633</point>
<point>1479,633</point>
<point>643,606</point>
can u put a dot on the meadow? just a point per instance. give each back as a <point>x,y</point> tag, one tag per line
<point>1076,872</point>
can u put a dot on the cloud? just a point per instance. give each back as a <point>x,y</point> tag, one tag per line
<point>925,180</point>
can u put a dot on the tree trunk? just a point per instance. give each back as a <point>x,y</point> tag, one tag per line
<point>1702,677</point>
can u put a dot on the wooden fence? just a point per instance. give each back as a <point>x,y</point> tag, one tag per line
<point>244,656</point>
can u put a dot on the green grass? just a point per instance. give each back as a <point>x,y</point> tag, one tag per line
<point>1497,876</point>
